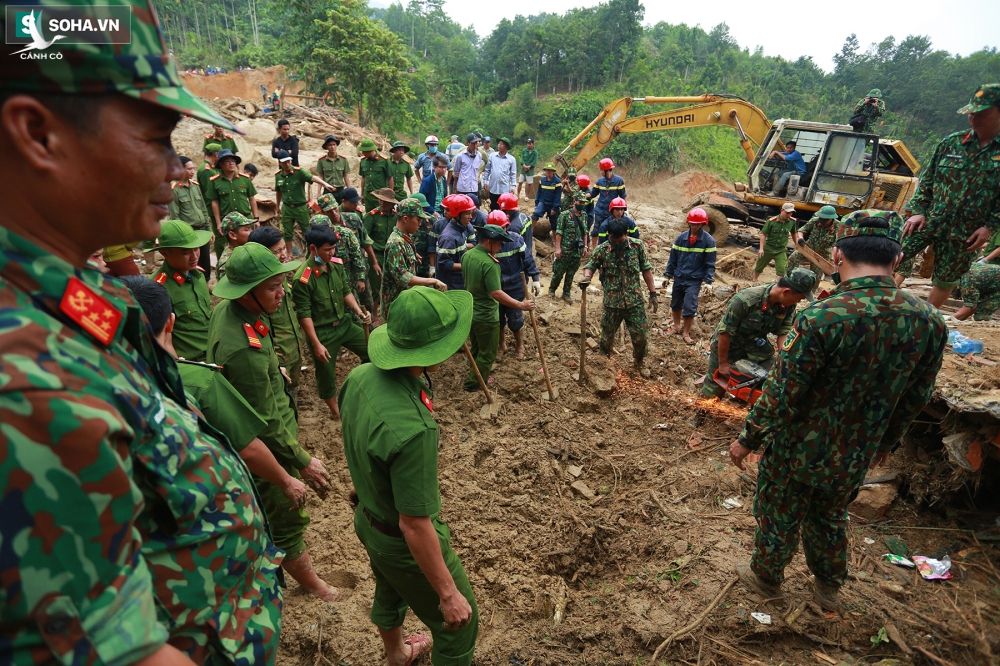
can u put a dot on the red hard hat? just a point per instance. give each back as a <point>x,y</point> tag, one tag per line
<point>456,204</point>
<point>697,216</point>
<point>498,217</point>
<point>507,201</point>
<point>618,202</point>
<point>606,164</point>
<point>583,180</point>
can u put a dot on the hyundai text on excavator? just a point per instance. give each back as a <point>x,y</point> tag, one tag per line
<point>846,169</point>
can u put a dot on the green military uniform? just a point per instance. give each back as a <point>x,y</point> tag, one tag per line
<point>399,267</point>
<point>233,196</point>
<point>288,337</point>
<point>572,229</point>
<point>294,208</point>
<point>568,197</point>
<point>189,205</point>
<point>231,222</point>
<point>203,176</point>
<point>981,289</point>
<point>992,244</point>
<point>319,291</point>
<point>352,220</point>
<point>188,291</point>
<point>869,112</point>
<point>959,191</point>
<point>378,227</point>
<point>481,275</point>
<point>226,142</point>
<point>348,248</point>
<point>333,171</point>
<point>391,449</point>
<point>101,457</point>
<point>819,233</point>
<point>859,365</point>
<point>748,320</point>
<point>400,171</point>
<point>621,266</point>
<point>221,404</point>
<point>376,173</point>
<point>776,232</point>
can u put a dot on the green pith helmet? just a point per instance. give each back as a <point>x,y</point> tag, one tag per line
<point>139,65</point>
<point>250,265</point>
<point>179,234</point>
<point>366,145</point>
<point>827,213</point>
<point>874,92</point>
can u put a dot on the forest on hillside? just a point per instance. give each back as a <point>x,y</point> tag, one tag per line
<point>411,70</point>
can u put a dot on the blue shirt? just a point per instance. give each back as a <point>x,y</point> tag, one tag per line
<point>424,164</point>
<point>794,159</point>
<point>451,245</point>
<point>515,260</point>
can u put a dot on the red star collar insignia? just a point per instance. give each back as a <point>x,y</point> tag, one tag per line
<point>426,399</point>
<point>261,328</point>
<point>91,311</point>
<point>179,279</point>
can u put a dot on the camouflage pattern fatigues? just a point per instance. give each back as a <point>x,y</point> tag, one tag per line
<point>621,266</point>
<point>857,368</point>
<point>870,112</point>
<point>352,220</point>
<point>748,320</point>
<point>399,267</point>
<point>959,192</point>
<point>819,235</point>
<point>378,228</point>
<point>981,289</point>
<point>572,230</point>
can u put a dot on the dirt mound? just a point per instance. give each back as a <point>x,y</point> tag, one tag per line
<point>244,84</point>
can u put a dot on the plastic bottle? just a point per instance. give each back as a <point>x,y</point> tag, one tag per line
<point>963,345</point>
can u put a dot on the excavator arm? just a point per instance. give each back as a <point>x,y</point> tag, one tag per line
<point>749,122</point>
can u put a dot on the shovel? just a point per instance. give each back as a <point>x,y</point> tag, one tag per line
<point>552,393</point>
<point>492,407</point>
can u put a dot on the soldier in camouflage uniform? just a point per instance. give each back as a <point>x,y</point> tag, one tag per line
<point>236,229</point>
<point>348,248</point>
<point>570,243</point>
<point>818,234</point>
<point>957,203</point>
<point>351,218</point>
<point>980,292</point>
<point>855,370</point>
<point>752,315</point>
<point>128,521</point>
<point>868,109</point>
<point>379,223</point>
<point>621,261</point>
<point>400,257</point>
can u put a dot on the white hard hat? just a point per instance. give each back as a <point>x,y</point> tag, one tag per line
<point>431,139</point>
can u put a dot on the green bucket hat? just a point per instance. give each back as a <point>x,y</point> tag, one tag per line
<point>800,279</point>
<point>233,221</point>
<point>400,144</point>
<point>419,196</point>
<point>492,232</point>
<point>321,219</point>
<point>327,202</point>
<point>250,265</point>
<point>212,148</point>
<point>986,96</point>
<point>367,144</point>
<point>424,327</point>
<point>856,224</point>
<point>827,213</point>
<point>874,92</point>
<point>411,207</point>
<point>549,167</point>
<point>179,234</point>
<point>505,140</point>
<point>134,61</point>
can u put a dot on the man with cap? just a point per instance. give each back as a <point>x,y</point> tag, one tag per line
<point>333,168</point>
<point>285,141</point>
<point>221,137</point>
<point>547,198</point>
<point>500,174</point>
<point>98,442</point>
<point>188,205</point>
<point>854,372</point>
<point>288,336</point>
<point>401,257</point>
<point>208,168</point>
<point>391,448</point>
<point>773,241</point>
<point>454,148</point>
<point>348,246</point>
<point>180,245</point>
<point>794,164</point>
<point>423,239</point>
<point>519,222</point>
<point>324,302</point>
<point>869,108</point>
<point>237,229</point>
<point>351,218</point>
<point>401,170</point>
<point>818,234</point>
<point>691,263</point>
<point>455,238</point>
<point>526,179</point>
<point>619,211</point>
<point>621,261</point>
<point>290,189</point>
<point>230,191</point>
<point>425,160</point>
<point>516,265</point>
<point>434,186</point>
<point>465,169</point>
<point>379,223</point>
<point>375,173</point>
<point>240,340</point>
<point>608,187</point>
<point>957,203</point>
<point>481,275</point>
<point>569,241</point>
<point>751,315</point>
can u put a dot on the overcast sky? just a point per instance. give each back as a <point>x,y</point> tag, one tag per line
<point>788,29</point>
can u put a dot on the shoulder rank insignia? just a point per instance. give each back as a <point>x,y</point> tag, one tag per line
<point>426,399</point>
<point>218,175</point>
<point>306,274</point>
<point>90,311</point>
<point>252,338</point>
<point>161,278</point>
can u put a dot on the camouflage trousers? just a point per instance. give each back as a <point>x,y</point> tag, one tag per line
<point>782,508</point>
<point>635,321</point>
<point>566,267</point>
<point>951,258</point>
<point>780,258</point>
<point>762,355</point>
<point>374,288</point>
<point>981,289</point>
<point>798,259</point>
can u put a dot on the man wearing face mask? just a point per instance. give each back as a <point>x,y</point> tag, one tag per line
<point>855,370</point>
<point>425,161</point>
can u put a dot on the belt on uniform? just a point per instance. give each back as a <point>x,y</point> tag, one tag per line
<point>384,528</point>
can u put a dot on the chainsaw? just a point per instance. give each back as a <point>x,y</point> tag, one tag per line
<point>744,381</point>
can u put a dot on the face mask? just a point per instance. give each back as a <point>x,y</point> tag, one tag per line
<point>432,149</point>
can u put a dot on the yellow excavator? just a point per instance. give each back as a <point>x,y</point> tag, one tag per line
<point>846,169</point>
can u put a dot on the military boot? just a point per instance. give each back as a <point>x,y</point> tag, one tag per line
<point>827,596</point>
<point>756,583</point>
<point>568,298</point>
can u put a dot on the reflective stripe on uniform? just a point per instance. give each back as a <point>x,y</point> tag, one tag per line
<point>509,253</point>
<point>680,248</point>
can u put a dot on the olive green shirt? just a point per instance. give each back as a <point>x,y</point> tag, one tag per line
<point>292,186</point>
<point>332,171</point>
<point>776,232</point>
<point>232,195</point>
<point>400,171</point>
<point>749,318</point>
<point>378,227</point>
<point>376,174</point>
<point>287,332</point>
<point>203,175</point>
<point>189,205</point>
<point>481,272</point>
<point>227,142</point>
<point>224,408</point>
<point>192,304</point>
<point>319,291</point>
